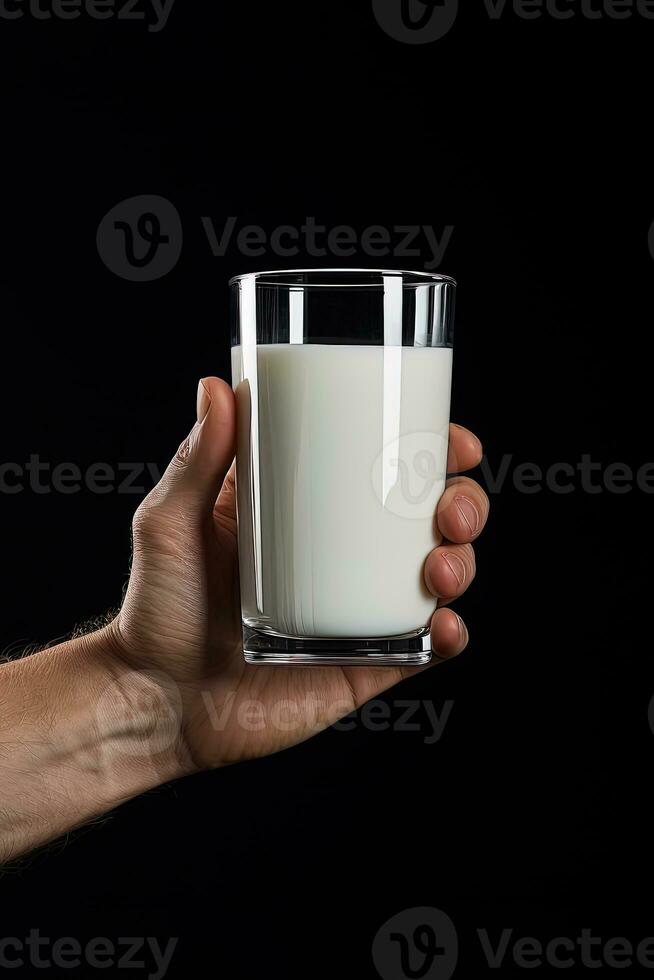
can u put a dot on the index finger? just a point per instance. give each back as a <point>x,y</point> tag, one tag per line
<point>464,451</point>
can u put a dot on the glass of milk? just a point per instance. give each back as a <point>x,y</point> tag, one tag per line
<point>342,380</point>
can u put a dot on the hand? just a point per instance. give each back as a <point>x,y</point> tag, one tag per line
<point>180,620</point>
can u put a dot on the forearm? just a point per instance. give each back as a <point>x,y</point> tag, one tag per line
<point>79,734</point>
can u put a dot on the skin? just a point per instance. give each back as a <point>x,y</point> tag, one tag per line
<point>162,690</point>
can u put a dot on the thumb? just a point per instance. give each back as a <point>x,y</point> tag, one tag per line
<point>196,472</point>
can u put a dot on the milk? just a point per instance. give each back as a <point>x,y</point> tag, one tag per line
<point>338,476</point>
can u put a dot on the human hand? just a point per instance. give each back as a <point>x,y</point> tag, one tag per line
<point>180,622</point>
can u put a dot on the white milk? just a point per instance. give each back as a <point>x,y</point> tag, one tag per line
<point>336,515</point>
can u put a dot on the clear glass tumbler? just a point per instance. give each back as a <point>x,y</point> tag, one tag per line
<point>342,380</point>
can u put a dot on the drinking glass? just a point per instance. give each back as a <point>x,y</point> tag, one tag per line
<point>342,380</point>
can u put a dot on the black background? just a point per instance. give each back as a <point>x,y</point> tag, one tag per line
<point>531,138</point>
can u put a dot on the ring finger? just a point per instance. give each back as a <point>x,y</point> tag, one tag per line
<point>449,570</point>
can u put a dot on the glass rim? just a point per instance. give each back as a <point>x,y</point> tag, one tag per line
<point>421,278</point>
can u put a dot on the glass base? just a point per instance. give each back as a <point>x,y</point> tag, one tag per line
<point>267,647</point>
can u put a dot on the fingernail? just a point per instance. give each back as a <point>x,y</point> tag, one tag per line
<point>203,400</point>
<point>464,636</point>
<point>456,566</point>
<point>476,438</point>
<point>469,513</point>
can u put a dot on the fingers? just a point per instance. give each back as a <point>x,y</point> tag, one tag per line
<point>196,473</point>
<point>464,450</point>
<point>449,638</point>
<point>449,635</point>
<point>462,510</point>
<point>449,570</point>
<point>225,508</point>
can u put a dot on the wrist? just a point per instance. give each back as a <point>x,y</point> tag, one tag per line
<point>80,733</point>
<point>137,717</point>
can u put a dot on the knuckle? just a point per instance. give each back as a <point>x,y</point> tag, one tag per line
<point>183,453</point>
<point>150,517</point>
